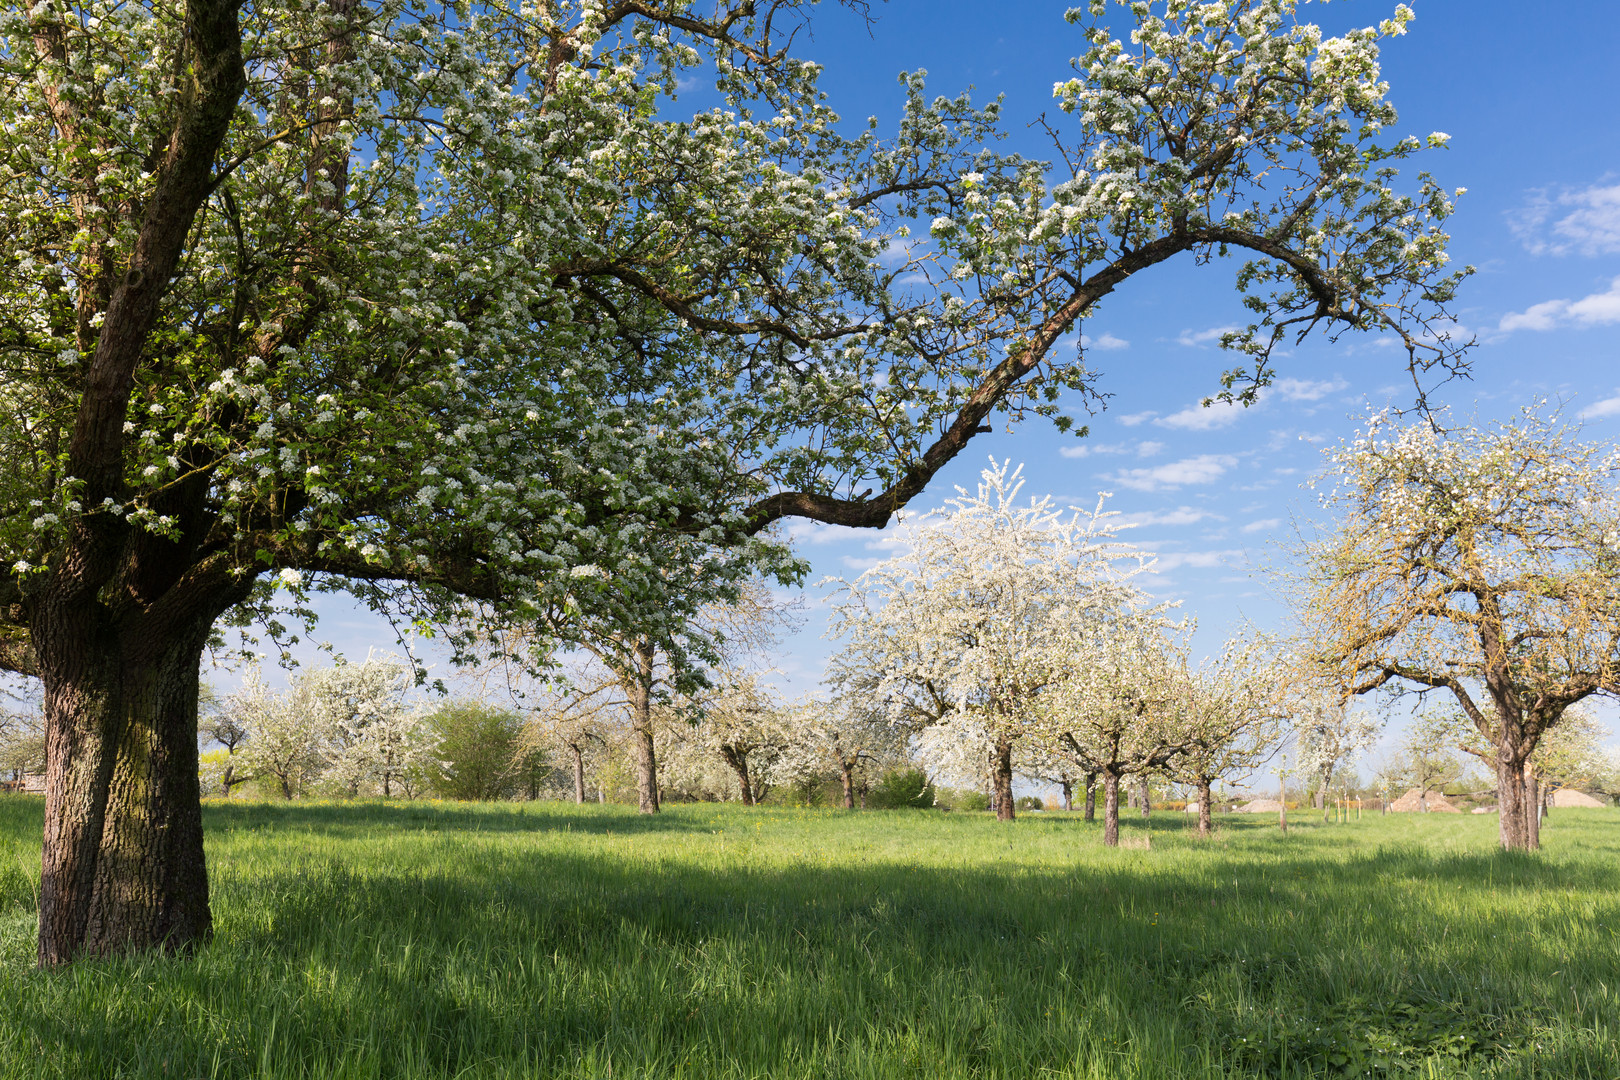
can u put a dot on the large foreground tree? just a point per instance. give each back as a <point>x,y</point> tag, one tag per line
<point>430,301</point>
<point>1477,563</point>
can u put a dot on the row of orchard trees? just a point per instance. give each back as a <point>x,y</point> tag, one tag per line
<point>1479,564</point>
<point>352,729</point>
<point>1015,637</point>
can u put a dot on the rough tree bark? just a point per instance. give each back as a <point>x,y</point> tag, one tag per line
<point>1091,796</point>
<point>122,862</point>
<point>846,776</point>
<point>1110,809</point>
<point>1204,798</point>
<point>1003,781</point>
<point>579,773</point>
<point>1144,795</point>
<point>639,690</point>
<point>1068,795</point>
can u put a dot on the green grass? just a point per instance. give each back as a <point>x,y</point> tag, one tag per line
<point>712,942</point>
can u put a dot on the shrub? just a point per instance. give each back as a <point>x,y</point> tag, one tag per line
<point>901,788</point>
<point>1028,802</point>
<point>478,744</point>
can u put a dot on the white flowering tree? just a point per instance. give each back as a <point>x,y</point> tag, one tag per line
<point>1120,711</point>
<point>347,726</point>
<point>851,738</point>
<point>430,304</point>
<point>1328,735</point>
<point>581,722</point>
<point>1233,708</point>
<point>22,742</point>
<point>986,607</point>
<point>1481,564</point>
<point>742,723</point>
<point>284,745</point>
<point>374,739</point>
<point>1052,765</point>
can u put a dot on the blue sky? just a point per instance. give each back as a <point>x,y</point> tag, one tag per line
<point>1526,93</point>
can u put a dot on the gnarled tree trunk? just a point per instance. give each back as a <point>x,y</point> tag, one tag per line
<point>579,773</point>
<point>1204,798</point>
<point>122,866</point>
<point>1068,795</point>
<point>1091,796</point>
<point>1144,795</point>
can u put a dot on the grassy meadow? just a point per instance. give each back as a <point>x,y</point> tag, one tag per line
<point>715,941</point>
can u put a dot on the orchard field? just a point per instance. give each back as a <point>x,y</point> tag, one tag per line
<point>715,941</point>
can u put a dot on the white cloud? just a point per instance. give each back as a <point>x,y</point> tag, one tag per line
<point>810,532</point>
<point>1591,225</point>
<point>1263,525</point>
<point>1220,414</point>
<point>1132,419</point>
<point>1148,448</point>
<point>1086,449</point>
<point>1197,339</point>
<point>1181,515</point>
<point>1175,560</point>
<point>1598,309</point>
<point>1107,343</point>
<point>1599,409</point>
<point>896,250</point>
<point>1309,389</point>
<point>1217,414</point>
<point>1203,469</point>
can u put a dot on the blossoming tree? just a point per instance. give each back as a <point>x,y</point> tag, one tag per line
<point>429,301</point>
<point>1120,711</point>
<point>1477,563</point>
<point>987,607</point>
<point>1232,707</point>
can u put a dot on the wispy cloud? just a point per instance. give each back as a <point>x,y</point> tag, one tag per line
<point>810,532</point>
<point>1600,409</point>
<point>1598,309</point>
<point>1220,414</point>
<point>1263,525</point>
<point>1198,339</point>
<point>1584,220</point>
<point>1181,515</point>
<point>1175,560</point>
<point>1147,448</point>
<point>1202,469</point>
<point>1308,389</point>
<point>1107,343</point>
<point>1132,419</point>
<point>1087,449</point>
<point>896,250</point>
<point>1217,414</point>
